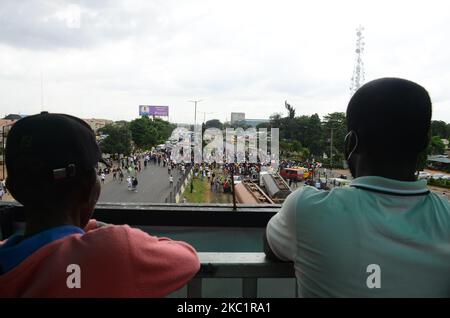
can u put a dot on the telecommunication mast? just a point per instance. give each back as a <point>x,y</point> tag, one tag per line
<point>358,77</point>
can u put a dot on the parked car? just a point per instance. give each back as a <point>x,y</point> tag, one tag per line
<point>424,175</point>
<point>237,179</point>
<point>437,176</point>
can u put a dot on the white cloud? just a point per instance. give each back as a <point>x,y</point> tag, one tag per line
<point>236,55</point>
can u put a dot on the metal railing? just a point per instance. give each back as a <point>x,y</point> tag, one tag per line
<point>178,186</point>
<point>161,214</point>
<point>248,266</point>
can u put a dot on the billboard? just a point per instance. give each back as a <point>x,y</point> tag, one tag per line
<point>153,110</point>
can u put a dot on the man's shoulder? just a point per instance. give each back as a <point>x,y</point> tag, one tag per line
<point>112,237</point>
<point>312,193</point>
<point>308,198</point>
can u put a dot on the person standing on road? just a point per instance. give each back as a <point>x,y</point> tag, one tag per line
<point>129,184</point>
<point>134,184</point>
<point>2,191</point>
<point>103,176</point>
<point>171,180</point>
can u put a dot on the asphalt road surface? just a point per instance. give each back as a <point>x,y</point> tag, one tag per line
<point>153,186</point>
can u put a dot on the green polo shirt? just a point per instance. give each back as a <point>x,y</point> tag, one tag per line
<point>377,238</point>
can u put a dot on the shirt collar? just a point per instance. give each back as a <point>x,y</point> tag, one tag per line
<point>16,248</point>
<point>391,186</point>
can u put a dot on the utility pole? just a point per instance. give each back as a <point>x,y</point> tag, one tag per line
<point>232,187</point>
<point>195,111</point>
<point>3,153</point>
<point>5,131</point>
<point>42,93</point>
<point>331,150</point>
<point>204,115</point>
<point>195,124</point>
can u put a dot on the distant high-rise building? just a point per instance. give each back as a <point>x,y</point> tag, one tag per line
<point>237,117</point>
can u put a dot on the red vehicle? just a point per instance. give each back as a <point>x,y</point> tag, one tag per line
<point>293,173</point>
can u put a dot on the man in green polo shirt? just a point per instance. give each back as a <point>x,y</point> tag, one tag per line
<point>386,235</point>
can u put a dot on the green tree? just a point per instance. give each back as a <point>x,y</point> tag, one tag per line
<point>143,133</point>
<point>338,123</point>
<point>436,146</point>
<point>117,140</point>
<point>147,133</point>
<point>263,125</point>
<point>296,146</point>
<point>213,123</point>
<point>241,124</point>
<point>315,136</point>
<point>439,128</point>
<point>290,109</point>
<point>163,129</point>
<point>276,121</point>
<point>310,132</point>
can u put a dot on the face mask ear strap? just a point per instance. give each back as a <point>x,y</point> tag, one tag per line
<point>352,132</point>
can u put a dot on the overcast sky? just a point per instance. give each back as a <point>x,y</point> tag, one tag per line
<point>102,59</point>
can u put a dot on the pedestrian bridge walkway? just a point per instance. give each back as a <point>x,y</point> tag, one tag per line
<point>229,243</point>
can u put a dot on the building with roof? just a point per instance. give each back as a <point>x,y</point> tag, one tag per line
<point>439,162</point>
<point>96,124</point>
<point>237,117</point>
<point>14,116</point>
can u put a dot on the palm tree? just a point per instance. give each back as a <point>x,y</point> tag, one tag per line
<point>290,109</point>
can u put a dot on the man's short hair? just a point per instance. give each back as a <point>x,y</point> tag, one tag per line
<point>391,117</point>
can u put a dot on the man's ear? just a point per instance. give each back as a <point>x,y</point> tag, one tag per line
<point>350,144</point>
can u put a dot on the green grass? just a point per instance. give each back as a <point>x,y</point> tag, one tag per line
<point>199,192</point>
<point>439,183</point>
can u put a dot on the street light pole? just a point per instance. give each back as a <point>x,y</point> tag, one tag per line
<point>204,115</point>
<point>3,152</point>
<point>5,131</point>
<point>331,150</point>
<point>195,123</point>
<point>195,111</point>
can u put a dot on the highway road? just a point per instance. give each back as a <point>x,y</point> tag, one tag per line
<point>153,186</point>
